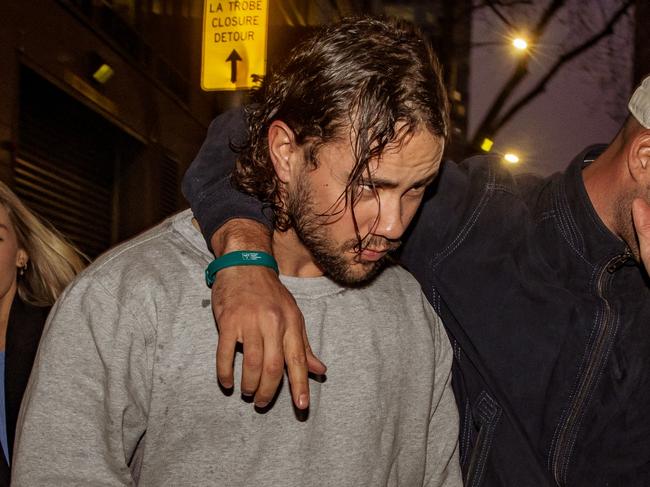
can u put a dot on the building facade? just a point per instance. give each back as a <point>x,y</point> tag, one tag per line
<point>101,111</point>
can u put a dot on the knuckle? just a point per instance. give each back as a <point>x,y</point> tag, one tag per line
<point>296,320</point>
<point>226,336</point>
<point>252,360</point>
<point>224,361</point>
<point>228,312</point>
<point>225,320</point>
<point>297,359</point>
<point>274,315</point>
<point>274,367</point>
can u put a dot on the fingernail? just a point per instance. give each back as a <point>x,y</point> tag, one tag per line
<point>261,405</point>
<point>246,394</point>
<point>303,401</point>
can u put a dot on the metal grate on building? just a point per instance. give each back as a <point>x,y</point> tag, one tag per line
<point>66,163</point>
<point>78,209</point>
<point>169,184</point>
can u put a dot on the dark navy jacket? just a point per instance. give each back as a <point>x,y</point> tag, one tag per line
<point>548,315</point>
<point>24,331</point>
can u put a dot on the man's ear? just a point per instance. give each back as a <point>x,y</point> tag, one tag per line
<point>639,158</point>
<point>283,150</point>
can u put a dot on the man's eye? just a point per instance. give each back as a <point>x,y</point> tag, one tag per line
<point>365,188</point>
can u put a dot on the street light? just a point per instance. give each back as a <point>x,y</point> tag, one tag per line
<point>520,43</point>
<point>511,158</point>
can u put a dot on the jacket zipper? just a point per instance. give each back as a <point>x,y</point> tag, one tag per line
<point>569,430</point>
<point>618,261</point>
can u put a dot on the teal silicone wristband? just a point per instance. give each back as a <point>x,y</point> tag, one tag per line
<point>240,257</point>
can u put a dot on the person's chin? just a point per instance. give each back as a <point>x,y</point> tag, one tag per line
<point>362,272</point>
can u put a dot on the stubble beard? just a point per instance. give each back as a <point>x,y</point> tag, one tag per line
<point>625,223</point>
<point>312,230</point>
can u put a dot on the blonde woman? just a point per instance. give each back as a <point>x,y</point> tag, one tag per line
<point>36,264</point>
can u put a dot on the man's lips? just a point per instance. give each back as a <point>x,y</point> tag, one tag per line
<point>373,254</point>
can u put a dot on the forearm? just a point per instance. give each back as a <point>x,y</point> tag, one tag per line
<point>250,304</point>
<point>221,204</point>
<point>241,234</point>
<point>206,184</point>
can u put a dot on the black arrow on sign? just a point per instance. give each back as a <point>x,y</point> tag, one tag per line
<point>233,58</point>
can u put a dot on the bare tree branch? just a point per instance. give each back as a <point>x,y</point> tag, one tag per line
<point>501,3</point>
<point>540,87</point>
<point>519,73</point>
<point>495,8</point>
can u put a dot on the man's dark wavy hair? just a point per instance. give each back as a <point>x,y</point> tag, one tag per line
<point>361,74</point>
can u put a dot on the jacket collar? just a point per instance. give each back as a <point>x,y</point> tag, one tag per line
<point>578,219</point>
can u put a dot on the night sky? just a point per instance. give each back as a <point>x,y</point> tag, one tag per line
<point>584,104</point>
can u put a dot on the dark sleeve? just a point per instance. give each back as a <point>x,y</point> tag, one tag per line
<point>206,184</point>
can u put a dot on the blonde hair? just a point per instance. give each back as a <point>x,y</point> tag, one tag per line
<point>53,261</point>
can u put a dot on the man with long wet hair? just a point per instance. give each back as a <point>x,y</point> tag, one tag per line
<point>345,138</point>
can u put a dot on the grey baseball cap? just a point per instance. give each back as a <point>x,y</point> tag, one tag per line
<point>639,105</point>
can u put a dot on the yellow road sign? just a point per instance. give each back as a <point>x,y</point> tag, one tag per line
<point>234,43</point>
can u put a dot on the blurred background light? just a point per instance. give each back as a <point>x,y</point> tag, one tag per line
<point>511,158</point>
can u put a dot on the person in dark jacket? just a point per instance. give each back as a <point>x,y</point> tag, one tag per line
<point>541,287</point>
<point>36,264</point>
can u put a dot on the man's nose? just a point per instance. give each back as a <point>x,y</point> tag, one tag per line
<point>391,224</point>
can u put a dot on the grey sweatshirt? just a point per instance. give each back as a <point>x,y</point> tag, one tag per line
<point>123,390</point>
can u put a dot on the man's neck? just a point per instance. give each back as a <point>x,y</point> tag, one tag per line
<point>601,179</point>
<point>292,256</point>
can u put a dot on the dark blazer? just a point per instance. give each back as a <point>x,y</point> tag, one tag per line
<point>23,334</point>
